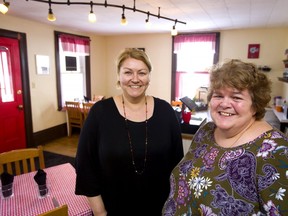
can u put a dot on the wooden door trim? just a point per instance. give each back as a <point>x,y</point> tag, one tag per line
<point>21,37</point>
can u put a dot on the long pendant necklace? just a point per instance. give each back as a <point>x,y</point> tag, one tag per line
<point>241,134</point>
<point>138,172</point>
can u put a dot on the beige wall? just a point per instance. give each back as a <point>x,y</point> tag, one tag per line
<point>40,41</point>
<point>159,49</point>
<point>273,42</point>
<point>104,50</point>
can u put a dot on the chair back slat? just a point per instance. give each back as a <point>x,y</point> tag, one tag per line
<point>75,115</point>
<point>22,160</point>
<point>17,166</point>
<point>25,165</point>
<point>32,164</point>
<point>86,108</point>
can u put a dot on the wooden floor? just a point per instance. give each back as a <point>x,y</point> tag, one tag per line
<point>65,145</point>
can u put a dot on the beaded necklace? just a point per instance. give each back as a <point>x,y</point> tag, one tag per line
<point>138,172</point>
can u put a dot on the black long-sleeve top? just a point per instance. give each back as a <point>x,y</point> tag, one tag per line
<point>104,165</point>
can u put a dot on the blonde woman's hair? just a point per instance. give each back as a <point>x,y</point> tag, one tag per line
<point>135,54</point>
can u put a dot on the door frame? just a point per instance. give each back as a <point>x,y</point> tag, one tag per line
<point>21,37</point>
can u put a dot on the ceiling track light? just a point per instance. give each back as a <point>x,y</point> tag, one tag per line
<point>134,6</point>
<point>51,16</point>
<point>4,7</point>
<point>147,21</point>
<point>91,16</point>
<point>174,31</point>
<point>123,18</point>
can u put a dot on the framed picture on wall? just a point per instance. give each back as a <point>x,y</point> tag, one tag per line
<point>253,51</point>
<point>42,64</point>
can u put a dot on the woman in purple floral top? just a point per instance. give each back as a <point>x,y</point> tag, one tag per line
<point>237,164</point>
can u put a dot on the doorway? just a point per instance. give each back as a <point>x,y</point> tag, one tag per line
<point>22,102</point>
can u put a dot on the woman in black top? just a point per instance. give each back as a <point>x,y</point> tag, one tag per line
<point>128,146</point>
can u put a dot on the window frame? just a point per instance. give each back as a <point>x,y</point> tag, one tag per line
<point>58,70</point>
<point>174,58</point>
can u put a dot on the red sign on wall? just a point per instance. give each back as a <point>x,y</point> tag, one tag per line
<point>253,50</point>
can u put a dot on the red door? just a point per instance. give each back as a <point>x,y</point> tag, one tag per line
<point>12,127</point>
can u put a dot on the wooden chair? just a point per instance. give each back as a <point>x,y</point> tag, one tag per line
<point>86,109</point>
<point>58,211</point>
<point>21,161</point>
<point>75,115</point>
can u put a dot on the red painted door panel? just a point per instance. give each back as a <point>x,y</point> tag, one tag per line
<point>12,127</point>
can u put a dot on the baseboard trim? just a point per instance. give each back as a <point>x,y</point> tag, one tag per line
<point>49,134</point>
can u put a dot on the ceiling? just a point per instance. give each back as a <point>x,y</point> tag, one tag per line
<point>199,15</point>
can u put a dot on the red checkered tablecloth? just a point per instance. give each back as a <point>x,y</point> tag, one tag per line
<point>61,180</point>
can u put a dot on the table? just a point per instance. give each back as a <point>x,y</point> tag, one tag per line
<point>25,201</point>
<point>188,130</point>
<point>282,119</point>
<point>197,119</point>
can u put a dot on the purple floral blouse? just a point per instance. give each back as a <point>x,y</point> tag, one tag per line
<point>251,179</point>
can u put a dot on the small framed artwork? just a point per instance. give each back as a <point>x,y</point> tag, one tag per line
<point>253,51</point>
<point>42,64</point>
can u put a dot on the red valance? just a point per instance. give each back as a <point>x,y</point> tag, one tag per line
<point>73,43</point>
<point>194,37</point>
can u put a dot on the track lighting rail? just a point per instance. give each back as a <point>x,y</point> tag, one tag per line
<point>105,4</point>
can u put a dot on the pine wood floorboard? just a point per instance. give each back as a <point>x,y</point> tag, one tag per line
<point>65,145</point>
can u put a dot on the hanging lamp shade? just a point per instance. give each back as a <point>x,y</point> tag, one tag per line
<point>51,16</point>
<point>4,7</point>
<point>174,31</point>
<point>124,20</point>
<point>92,17</point>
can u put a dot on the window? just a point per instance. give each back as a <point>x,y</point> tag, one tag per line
<point>193,55</point>
<point>71,63</point>
<point>6,83</point>
<point>72,67</point>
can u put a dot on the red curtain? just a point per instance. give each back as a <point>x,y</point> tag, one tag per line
<point>179,42</point>
<point>178,84</point>
<point>74,44</point>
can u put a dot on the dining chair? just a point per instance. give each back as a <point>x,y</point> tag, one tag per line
<point>74,114</point>
<point>20,161</point>
<point>58,211</point>
<point>86,109</point>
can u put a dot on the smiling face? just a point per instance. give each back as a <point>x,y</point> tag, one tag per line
<point>231,108</point>
<point>134,77</point>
